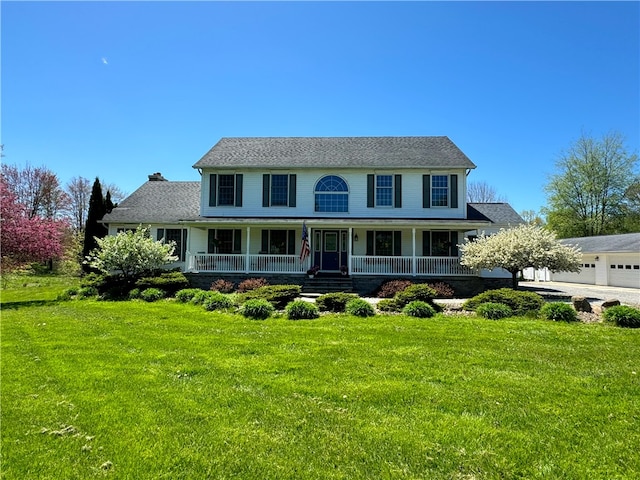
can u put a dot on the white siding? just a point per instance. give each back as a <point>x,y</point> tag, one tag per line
<point>357,182</point>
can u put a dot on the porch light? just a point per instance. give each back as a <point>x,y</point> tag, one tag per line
<point>355,237</point>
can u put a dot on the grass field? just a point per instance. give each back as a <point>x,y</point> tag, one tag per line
<point>130,390</point>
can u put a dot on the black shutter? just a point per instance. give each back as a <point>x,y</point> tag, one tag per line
<point>237,241</point>
<point>292,190</point>
<point>212,189</point>
<point>183,247</point>
<point>426,243</point>
<point>238,190</point>
<point>398,191</point>
<point>370,239</point>
<point>160,234</point>
<point>266,181</point>
<point>211,241</point>
<point>454,244</point>
<point>426,191</point>
<point>291,242</point>
<point>454,191</point>
<point>397,243</point>
<point>265,241</point>
<point>370,191</point>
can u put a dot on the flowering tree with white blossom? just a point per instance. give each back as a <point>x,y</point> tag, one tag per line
<point>132,253</point>
<point>520,247</point>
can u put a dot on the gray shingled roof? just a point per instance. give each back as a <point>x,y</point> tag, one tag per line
<point>335,152</point>
<point>623,243</point>
<point>158,202</point>
<point>499,213</point>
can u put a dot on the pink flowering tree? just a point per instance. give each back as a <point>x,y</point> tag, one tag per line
<point>25,239</point>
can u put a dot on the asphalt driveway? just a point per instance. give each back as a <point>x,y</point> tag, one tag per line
<point>593,293</point>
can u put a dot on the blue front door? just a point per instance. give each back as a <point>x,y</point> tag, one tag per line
<point>330,250</point>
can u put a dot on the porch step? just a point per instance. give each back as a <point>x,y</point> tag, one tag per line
<point>327,284</point>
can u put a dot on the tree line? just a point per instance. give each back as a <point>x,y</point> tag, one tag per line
<point>594,190</point>
<point>43,221</point>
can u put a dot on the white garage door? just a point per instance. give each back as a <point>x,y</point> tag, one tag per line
<point>587,274</point>
<point>625,271</point>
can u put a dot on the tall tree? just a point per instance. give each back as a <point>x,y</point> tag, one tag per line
<point>37,188</point>
<point>79,192</point>
<point>585,195</point>
<point>531,217</point>
<point>26,239</point>
<point>518,248</point>
<point>482,192</point>
<point>94,229</point>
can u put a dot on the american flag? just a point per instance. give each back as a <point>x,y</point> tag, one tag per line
<point>304,248</point>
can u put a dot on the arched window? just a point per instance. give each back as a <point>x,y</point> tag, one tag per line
<point>331,194</point>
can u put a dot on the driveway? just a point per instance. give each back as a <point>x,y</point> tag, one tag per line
<point>593,293</point>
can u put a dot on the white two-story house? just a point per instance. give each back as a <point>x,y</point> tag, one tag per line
<point>374,208</point>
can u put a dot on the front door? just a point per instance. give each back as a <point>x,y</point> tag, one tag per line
<point>330,250</point>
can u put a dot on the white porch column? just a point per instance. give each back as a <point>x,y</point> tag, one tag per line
<point>247,254</point>
<point>349,250</point>
<point>413,253</point>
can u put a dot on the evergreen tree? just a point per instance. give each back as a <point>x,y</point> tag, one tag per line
<point>93,229</point>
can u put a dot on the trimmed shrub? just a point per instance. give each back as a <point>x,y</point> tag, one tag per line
<point>87,292</point>
<point>387,305</point>
<point>186,294</point>
<point>299,310</point>
<point>390,288</point>
<point>520,302</point>
<point>217,301</point>
<point>67,294</point>
<point>418,291</point>
<point>257,308</point>
<point>360,308</point>
<point>223,286</point>
<point>200,296</point>
<point>442,289</point>
<point>170,282</point>
<point>134,294</point>
<point>494,311</point>
<point>334,302</point>
<point>278,295</point>
<point>559,312</point>
<point>622,316</point>
<point>251,284</point>
<point>152,294</point>
<point>419,309</point>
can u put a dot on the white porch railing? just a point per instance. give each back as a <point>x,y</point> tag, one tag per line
<point>360,265</point>
<point>444,266</point>
<point>231,263</point>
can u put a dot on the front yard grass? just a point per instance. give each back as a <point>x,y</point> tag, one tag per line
<point>165,390</point>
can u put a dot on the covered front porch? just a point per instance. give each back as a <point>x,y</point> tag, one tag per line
<point>389,248</point>
<point>356,265</point>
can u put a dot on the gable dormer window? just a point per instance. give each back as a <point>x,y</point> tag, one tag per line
<point>225,190</point>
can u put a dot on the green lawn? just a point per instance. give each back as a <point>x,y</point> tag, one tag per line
<point>130,390</point>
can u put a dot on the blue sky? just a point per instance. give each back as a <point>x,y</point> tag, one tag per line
<point>119,90</point>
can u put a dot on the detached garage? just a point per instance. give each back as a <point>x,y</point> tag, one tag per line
<point>612,260</point>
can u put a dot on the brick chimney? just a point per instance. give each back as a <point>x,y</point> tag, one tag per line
<point>157,177</point>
